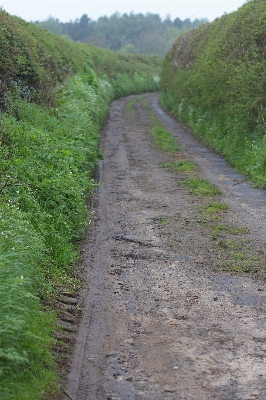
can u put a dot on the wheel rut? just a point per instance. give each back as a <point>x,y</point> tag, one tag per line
<point>165,316</point>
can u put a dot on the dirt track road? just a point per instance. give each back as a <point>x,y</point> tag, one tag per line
<point>164,316</point>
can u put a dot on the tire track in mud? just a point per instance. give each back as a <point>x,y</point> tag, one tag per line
<point>160,321</point>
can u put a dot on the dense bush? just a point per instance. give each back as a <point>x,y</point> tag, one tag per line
<point>214,79</point>
<point>34,61</point>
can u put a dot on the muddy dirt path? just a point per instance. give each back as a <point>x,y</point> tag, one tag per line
<point>164,316</point>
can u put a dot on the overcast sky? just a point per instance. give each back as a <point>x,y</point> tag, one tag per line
<point>66,10</point>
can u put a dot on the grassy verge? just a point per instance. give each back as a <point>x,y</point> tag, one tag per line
<point>47,165</point>
<point>244,150</point>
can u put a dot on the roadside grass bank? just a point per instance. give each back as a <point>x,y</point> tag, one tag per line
<point>47,166</point>
<point>213,80</point>
<point>54,99</point>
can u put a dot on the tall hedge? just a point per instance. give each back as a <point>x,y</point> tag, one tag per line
<point>214,78</point>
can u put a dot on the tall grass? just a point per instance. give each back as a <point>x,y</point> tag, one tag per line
<point>46,174</point>
<point>24,325</point>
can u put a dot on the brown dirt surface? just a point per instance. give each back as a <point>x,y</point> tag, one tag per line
<point>173,305</point>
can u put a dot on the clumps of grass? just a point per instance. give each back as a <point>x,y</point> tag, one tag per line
<point>215,207</point>
<point>184,166</point>
<point>240,256</point>
<point>244,262</point>
<point>229,244</point>
<point>201,187</point>
<point>163,138</point>
<point>223,228</point>
<point>165,221</point>
<point>212,212</point>
<point>131,103</point>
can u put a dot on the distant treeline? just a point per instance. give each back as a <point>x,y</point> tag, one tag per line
<point>128,33</point>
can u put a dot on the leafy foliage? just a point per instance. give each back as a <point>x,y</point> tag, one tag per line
<point>214,80</point>
<point>44,213</point>
<point>32,63</point>
<point>128,33</point>
<point>54,98</point>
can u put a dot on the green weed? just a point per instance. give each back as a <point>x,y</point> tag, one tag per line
<point>163,138</point>
<point>213,211</point>
<point>165,220</point>
<point>239,256</point>
<point>231,244</point>
<point>246,264</point>
<point>131,103</point>
<point>215,207</point>
<point>201,187</point>
<point>185,166</point>
<point>219,229</point>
